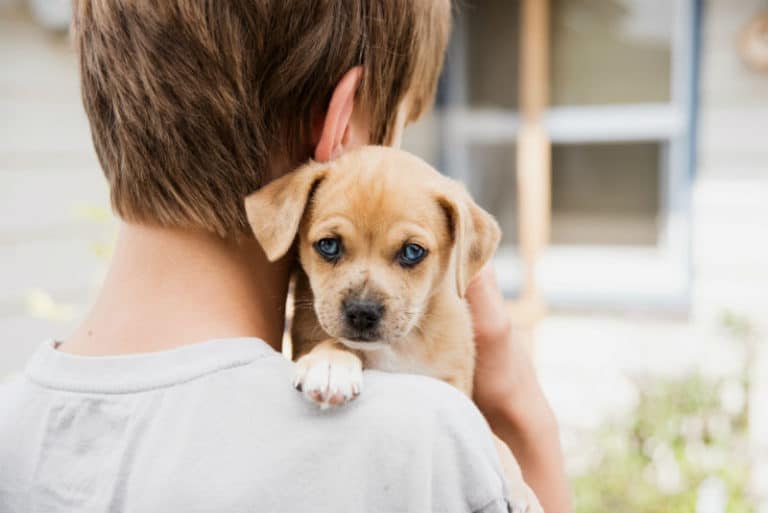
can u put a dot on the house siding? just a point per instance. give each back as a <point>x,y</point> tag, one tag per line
<point>47,170</point>
<point>730,199</point>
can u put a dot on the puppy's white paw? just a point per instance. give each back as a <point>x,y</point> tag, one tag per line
<point>328,376</point>
<point>525,500</point>
<point>521,498</point>
<point>518,507</point>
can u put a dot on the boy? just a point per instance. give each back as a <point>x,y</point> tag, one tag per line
<point>171,396</point>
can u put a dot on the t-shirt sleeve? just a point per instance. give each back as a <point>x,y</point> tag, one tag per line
<point>452,455</point>
<point>466,457</point>
<point>499,505</point>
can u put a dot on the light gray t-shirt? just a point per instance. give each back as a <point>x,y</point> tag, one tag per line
<point>216,427</point>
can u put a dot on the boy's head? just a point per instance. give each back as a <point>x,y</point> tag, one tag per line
<point>194,104</point>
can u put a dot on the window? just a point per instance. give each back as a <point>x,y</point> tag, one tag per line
<point>611,52</point>
<point>605,194</point>
<point>620,104</point>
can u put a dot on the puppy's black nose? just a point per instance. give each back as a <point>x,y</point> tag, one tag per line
<point>363,315</point>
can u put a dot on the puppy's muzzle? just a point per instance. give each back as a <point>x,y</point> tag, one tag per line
<point>362,318</point>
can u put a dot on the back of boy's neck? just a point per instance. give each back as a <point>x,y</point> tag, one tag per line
<point>167,287</point>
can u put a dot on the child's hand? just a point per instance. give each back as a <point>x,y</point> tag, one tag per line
<point>500,356</point>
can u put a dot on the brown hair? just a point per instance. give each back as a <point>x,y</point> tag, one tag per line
<point>190,100</point>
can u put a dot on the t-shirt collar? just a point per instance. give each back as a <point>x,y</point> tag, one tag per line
<point>129,373</point>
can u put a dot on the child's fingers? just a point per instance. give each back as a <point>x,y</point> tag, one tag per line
<point>486,303</point>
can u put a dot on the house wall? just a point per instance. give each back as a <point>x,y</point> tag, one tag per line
<point>731,184</point>
<point>730,199</point>
<point>49,177</point>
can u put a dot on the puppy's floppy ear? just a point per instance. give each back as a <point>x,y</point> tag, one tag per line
<point>475,235</point>
<point>275,210</point>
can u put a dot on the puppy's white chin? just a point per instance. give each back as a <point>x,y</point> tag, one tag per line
<point>363,346</point>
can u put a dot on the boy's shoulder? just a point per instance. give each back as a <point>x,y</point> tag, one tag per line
<point>242,429</point>
<point>410,425</point>
<point>395,400</point>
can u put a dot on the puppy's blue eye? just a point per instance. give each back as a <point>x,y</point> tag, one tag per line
<point>411,254</point>
<point>329,248</point>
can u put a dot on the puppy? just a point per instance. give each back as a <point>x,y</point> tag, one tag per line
<point>387,246</point>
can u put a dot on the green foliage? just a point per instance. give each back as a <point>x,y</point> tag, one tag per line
<point>680,432</point>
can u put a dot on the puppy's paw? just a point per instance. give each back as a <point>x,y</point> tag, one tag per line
<point>524,501</point>
<point>521,497</point>
<point>329,376</point>
<point>518,507</point>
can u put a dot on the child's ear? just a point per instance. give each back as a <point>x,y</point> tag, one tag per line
<point>275,210</point>
<point>475,235</point>
<point>336,124</point>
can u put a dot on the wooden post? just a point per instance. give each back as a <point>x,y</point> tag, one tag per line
<point>533,156</point>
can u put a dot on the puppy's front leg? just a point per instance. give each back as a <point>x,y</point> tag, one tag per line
<point>329,374</point>
<point>524,500</point>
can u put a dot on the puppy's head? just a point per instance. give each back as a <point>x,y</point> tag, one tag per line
<point>379,234</point>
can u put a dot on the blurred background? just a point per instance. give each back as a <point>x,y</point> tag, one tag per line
<point>623,146</point>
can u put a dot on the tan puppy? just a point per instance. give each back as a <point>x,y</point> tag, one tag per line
<point>387,246</point>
